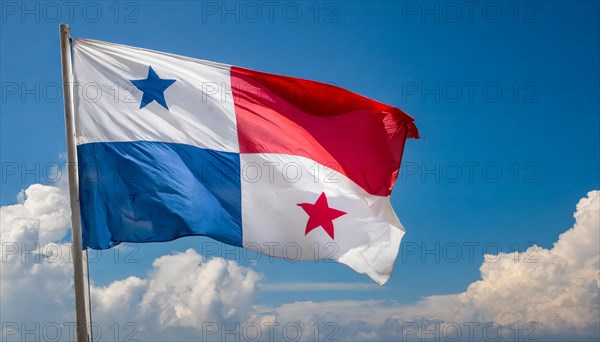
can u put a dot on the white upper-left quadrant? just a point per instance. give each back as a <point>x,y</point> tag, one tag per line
<point>179,99</point>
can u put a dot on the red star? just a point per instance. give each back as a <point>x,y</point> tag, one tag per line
<point>320,214</point>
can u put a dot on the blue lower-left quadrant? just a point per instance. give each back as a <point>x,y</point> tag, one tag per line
<point>153,191</point>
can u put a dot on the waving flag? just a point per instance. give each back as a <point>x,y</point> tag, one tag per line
<point>170,146</point>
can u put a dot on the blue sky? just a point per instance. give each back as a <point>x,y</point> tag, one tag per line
<point>514,92</point>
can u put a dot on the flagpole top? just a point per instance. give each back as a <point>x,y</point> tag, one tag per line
<point>64,28</point>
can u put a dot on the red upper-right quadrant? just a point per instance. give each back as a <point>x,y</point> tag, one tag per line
<point>359,137</point>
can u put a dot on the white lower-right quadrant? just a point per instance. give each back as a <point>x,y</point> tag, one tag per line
<point>295,208</point>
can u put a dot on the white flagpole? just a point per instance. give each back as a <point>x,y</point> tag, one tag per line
<point>82,311</point>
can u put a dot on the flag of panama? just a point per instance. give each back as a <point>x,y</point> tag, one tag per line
<point>170,146</point>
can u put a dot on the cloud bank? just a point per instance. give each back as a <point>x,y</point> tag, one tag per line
<point>554,295</point>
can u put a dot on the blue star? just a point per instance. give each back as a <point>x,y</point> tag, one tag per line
<point>153,88</point>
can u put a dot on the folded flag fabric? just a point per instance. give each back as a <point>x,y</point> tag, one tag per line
<point>170,146</point>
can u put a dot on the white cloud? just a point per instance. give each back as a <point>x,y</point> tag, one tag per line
<point>35,278</point>
<point>559,289</point>
<point>182,292</point>
<point>42,215</point>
